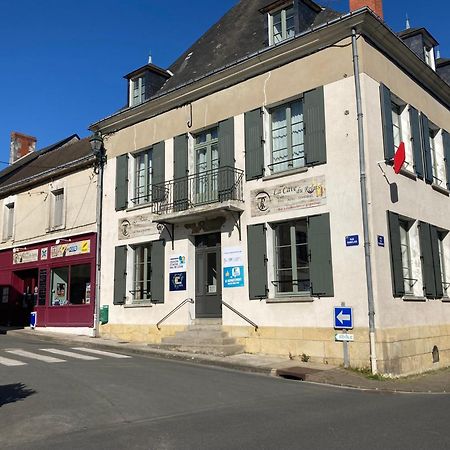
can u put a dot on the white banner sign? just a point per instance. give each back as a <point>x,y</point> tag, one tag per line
<point>25,256</point>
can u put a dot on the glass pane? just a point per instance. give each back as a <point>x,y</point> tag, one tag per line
<point>303,283</point>
<point>80,284</point>
<point>211,276</point>
<point>283,234</point>
<point>298,150</point>
<point>302,255</point>
<point>301,230</point>
<point>277,28</point>
<point>280,151</point>
<point>290,25</point>
<point>284,260</point>
<point>284,281</point>
<point>60,280</point>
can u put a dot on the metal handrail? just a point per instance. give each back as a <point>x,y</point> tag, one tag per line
<point>187,300</point>
<point>253,324</point>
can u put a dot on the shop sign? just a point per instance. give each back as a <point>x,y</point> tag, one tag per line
<point>136,226</point>
<point>70,249</point>
<point>233,267</point>
<point>26,256</point>
<point>177,273</point>
<point>284,197</point>
<point>44,253</point>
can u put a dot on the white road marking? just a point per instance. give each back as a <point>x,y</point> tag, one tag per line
<point>69,354</point>
<point>100,352</point>
<point>11,362</point>
<point>25,354</point>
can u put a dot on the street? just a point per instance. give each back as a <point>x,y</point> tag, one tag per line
<point>75,398</point>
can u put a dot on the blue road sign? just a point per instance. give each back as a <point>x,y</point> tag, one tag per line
<point>380,241</point>
<point>352,241</point>
<point>343,317</point>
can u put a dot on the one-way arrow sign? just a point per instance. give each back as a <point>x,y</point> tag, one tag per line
<point>343,318</point>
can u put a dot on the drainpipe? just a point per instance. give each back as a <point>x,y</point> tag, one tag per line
<point>364,205</point>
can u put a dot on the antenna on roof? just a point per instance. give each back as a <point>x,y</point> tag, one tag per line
<point>408,25</point>
<point>150,57</point>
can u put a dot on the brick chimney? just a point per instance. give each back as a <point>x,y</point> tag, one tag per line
<point>21,145</point>
<point>375,5</point>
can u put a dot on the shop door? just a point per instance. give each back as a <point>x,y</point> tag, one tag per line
<point>208,281</point>
<point>29,294</point>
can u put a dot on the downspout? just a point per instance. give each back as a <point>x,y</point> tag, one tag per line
<point>364,205</point>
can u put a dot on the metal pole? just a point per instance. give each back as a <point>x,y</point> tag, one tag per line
<point>364,205</point>
<point>100,163</point>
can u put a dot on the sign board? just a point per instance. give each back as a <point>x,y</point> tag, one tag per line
<point>344,337</point>
<point>343,317</point>
<point>136,226</point>
<point>352,241</point>
<point>177,273</point>
<point>25,256</point>
<point>285,197</point>
<point>70,249</point>
<point>380,241</point>
<point>233,267</point>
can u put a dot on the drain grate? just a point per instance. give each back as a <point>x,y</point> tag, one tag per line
<point>296,373</point>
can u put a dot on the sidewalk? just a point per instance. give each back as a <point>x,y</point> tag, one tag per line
<point>431,382</point>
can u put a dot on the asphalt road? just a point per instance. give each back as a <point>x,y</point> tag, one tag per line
<point>147,403</point>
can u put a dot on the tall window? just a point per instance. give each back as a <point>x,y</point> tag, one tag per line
<point>397,124</point>
<point>281,25</point>
<point>292,262</point>
<point>207,164</point>
<point>143,178</point>
<point>8,221</point>
<point>57,214</point>
<point>444,278</point>
<point>287,128</point>
<point>437,156</point>
<point>142,273</point>
<point>406,256</point>
<point>138,90</point>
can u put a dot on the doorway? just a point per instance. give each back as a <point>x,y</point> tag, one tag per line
<point>208,280</point>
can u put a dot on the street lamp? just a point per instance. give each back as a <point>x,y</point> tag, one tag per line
<point>98,150</point>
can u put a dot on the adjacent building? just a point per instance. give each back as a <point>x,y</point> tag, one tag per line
<point>255,177</point>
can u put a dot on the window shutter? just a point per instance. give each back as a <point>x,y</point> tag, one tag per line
<point>121,182</point>
<point>426,148</point>
<point>257,261</point>
<point>180,171</point>
<point>314,123</point>
<point>158,176</point>
<point>446,142</point>
<point>120,275</point>
<point>398,286</point>
<point>226,159</point>
<point>426,254</point>
<point>415,141</point>
<point>386,118</point>
<point>436,261</point>
<point>254,148</point>
<point>158,266</point>
<point>320,263</point>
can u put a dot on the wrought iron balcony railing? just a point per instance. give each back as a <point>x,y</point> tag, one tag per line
<point>211,186</point>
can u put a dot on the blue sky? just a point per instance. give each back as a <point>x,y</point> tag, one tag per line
<point>62,62</point>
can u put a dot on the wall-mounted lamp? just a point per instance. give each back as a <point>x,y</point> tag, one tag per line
<point>58,241</point>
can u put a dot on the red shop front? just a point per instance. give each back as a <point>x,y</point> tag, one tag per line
<point>55,279</point>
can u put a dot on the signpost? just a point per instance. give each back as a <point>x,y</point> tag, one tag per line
<point>343,320</point>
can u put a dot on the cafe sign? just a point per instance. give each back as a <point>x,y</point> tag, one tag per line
<point>136,226</point>
<point>284,197</point>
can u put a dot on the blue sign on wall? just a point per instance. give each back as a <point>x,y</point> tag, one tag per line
<point>177,281</point>
<point>233,276</point>
<point>343,317</point>
<point>351,241</point>
<point>380,241</point>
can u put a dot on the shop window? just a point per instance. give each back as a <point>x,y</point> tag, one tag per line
<point>5,294</point>
<point>71,285</point>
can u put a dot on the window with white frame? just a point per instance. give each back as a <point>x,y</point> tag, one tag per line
<point>437,156</point>
<point>291,257</point>
<point>281,24</point>
<point>8,221</point>
<point>397,124</point>
<point>287,136</point>
<point>141,290</point>
<point>408,280</point>
<point>137,90</point>
<point>57,209</point>
<point>429,57</point>
<point>444,263</point>
<point>143,177</point>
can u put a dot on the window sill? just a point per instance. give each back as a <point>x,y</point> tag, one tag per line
<point>285,173</point>
<point>445,299</point>
<point>138,207</point>
<point>413,298</point>
<point>408,174</point>
<point>440,189</point>
<point>293,299</point>
<point>53,229</point>
<point>139,305</point>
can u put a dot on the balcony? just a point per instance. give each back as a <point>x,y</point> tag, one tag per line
<point>201,194</point>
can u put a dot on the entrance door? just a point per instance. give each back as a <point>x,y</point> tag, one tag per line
<point>208,281</point>
<point>29,294</point>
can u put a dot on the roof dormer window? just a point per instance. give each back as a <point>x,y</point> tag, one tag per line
<point>429,57</point>
<point>281,24</point>
<point>137,90</point>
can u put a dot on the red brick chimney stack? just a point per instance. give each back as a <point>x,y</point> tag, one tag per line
<point>21,145</point>
<point>375,5</point>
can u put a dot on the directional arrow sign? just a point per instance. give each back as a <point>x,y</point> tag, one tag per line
<point>343,317</point>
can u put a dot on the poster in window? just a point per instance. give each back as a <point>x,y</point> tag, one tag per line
<point>88,293</point>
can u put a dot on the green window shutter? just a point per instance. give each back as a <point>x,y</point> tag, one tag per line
<point>386,118</point>
<point>226,159</point>
<point>120,275</point>
<point>158,169</point>
<point>180,171</point>
<point>446,141</point>
<point>254,144</point>
<point>426,148</point>
<point>158,269</point>
<point>398,285</point>
<point>121,182</point>
<point>314,126</point>
<point>426,255</point>
<point>436,261</point>
<point>415,141</point>
<point>257,261</point>
<point>320,263</point>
